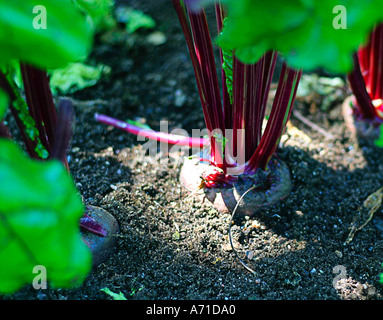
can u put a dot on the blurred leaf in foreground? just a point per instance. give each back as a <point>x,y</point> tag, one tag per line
<point>67,35</point>
<point>39,222</point>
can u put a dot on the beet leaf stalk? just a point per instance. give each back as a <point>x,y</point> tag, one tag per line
<point>171,139</point>
<point>40,103</point>
<point>366,80</point>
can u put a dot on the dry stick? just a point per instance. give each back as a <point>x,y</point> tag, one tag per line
<point>231,241</point>
<point>312,125</point>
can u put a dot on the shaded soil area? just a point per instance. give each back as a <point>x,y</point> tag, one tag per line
<point>171,245</point>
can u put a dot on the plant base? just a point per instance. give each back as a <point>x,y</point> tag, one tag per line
<point>226,199</point>
<point>101,247</point>
<point>363,129</point>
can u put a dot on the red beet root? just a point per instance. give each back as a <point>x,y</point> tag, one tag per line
<point>271,186</point>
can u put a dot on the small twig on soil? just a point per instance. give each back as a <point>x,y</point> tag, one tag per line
<point>87,103</point>
<point>230,238</point>
<point>362,218</point>
<point>311,124</point>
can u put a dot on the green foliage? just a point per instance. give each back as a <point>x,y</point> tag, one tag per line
<point>134,19</point>
<point>39,222</point>
<point>4,100</point>
<point>379,142</point>
<point>221,141</point>
<point>138,124</point>
<point>227,66</point>
<point>75,76</point>
<point>114,295</point>
<point>302,30</point>
<point>67,37</point>
<point>100,12</point>
<point>14,79</point>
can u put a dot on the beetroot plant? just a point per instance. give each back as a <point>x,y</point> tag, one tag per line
<point>311,35</point>
<point>41,210</point>
<point>239,152</point>
<point>242,150</point>
<point>45,133</point>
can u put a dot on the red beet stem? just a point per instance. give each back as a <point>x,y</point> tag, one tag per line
<point>172,139</point>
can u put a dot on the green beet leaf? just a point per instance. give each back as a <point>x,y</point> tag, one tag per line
<point>44,33</point>
<point>39,222</point>
<point>100,12</point>
<point>115,296</point>
<point>134,19</point>
<point>76,76</point>
<point>309,33</point>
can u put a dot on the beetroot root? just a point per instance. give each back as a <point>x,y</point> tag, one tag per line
<point>101,246</point>
<point>359,128</point>
<point>271,186</point>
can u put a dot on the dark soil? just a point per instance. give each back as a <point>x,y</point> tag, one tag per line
<point>172,246</point>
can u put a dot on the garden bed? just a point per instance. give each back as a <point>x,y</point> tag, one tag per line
<point>172,246</point>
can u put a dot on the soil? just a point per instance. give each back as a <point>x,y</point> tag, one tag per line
<point>173,246</point>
